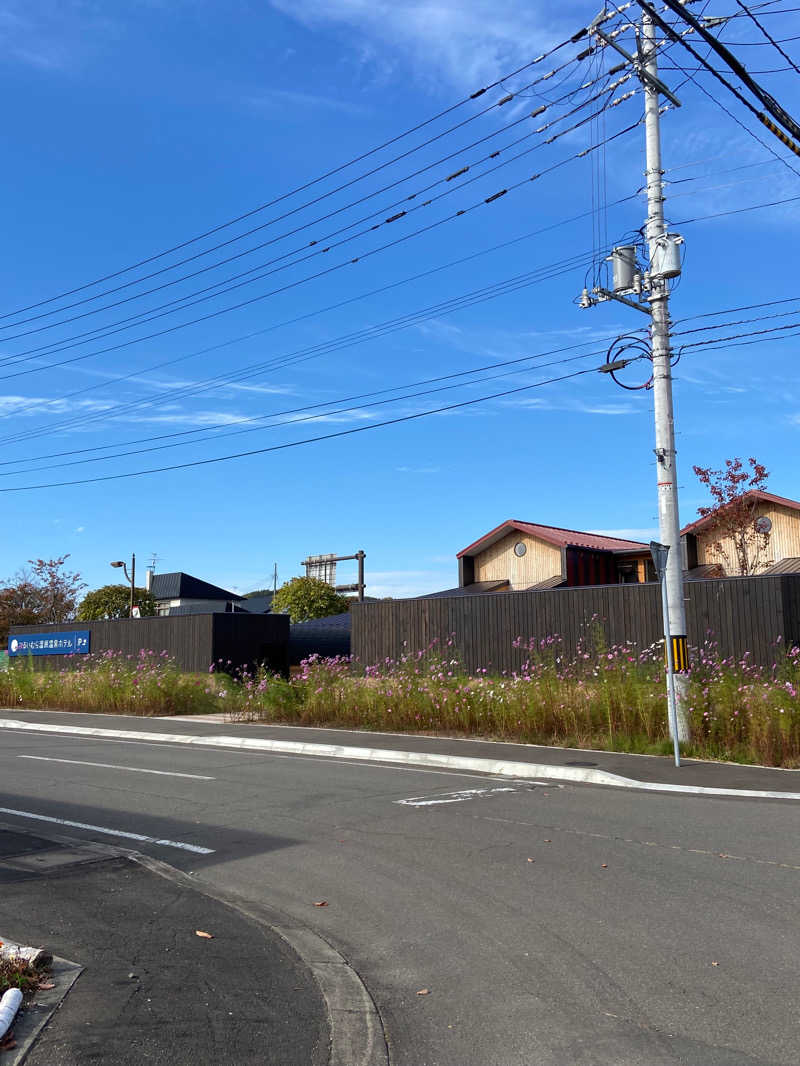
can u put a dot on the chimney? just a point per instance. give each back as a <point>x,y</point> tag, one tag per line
<point>148,579</point>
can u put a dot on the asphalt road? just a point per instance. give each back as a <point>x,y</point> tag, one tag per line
<point>551,925</point>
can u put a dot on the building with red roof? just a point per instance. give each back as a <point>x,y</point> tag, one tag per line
<point>520,555</point>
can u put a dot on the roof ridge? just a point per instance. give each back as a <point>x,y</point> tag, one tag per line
<point>582,532</point>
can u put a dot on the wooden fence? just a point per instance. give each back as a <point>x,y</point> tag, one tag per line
<point>195,641</point>
<point>740,614</point>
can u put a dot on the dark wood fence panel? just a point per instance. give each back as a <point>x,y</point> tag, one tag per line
<point>195,641</point>
<point>738,614</point>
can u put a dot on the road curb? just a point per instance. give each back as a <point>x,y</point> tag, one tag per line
<point>356,1031</point>
<point>32,1018</point>
<point>491,767</point>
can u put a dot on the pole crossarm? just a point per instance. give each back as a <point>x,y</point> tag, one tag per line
<point>648,78</point>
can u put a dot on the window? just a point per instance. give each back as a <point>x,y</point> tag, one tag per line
<point>520,548</point>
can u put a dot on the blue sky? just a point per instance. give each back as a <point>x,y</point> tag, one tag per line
<point>133,127</point>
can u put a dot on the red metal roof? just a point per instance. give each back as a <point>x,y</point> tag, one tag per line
<point>764,497</point>
<point>562,538</point>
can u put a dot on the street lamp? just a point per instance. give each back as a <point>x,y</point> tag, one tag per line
<point>130,576</point>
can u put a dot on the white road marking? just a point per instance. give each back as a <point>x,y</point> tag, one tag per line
<point>109,832</point>
<point>115,766</point>
<point>451,797</point>
<point>495,767</point>
<point>303,758</point>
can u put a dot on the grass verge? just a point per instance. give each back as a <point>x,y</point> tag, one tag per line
<point>605,698</point>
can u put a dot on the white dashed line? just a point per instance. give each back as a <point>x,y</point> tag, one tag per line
<point>116,766</point>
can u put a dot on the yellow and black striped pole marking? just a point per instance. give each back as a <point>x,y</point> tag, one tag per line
<point>680,655</point>
<point>790,144</point>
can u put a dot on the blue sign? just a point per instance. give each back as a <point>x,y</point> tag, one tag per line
<point>75,643</point>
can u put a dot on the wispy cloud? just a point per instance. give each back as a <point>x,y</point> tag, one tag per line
<point>418,469</point>
<point>274,100</point>
<point>577,406</point>
<point>29,406</point>
<point>54,37</point>
<point>464,42</point>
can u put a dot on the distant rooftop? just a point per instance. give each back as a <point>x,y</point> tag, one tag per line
<point>180,586</point>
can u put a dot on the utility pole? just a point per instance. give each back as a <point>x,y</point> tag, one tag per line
<point>646,289</point>
<point>666,467</point>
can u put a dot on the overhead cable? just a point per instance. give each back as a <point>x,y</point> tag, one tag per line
<point>572,39</point>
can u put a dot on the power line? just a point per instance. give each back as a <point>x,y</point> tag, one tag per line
<point>221,382</point>
<point>743,307</point>
<point>323,409</point>
<point>385,209</point>
<point>486,201</point>
<point>313,314</point>
<point>309,440</point>
<point>572,39</point>
<point>325,348</point>
<point>747,130</point>
<point>769,102</point>
<point>713,343</point>
<point>318,413</point>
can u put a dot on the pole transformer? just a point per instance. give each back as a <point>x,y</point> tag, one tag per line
<point>660,245</point>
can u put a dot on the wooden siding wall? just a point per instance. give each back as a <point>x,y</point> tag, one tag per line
<point>743,614</point>
<point>498,562</point>
<point>195,641</point>
<point>784,541</point>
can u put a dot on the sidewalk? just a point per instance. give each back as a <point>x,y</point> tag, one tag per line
<point>153,991</point>
<point>644,768</point>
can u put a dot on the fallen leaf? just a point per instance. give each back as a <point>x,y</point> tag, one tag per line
<point>46,986</point>
<point>205,936</point>
<point>322,903</point>
<point>715,964</point>
<point>531,860</point>
<point>424,992</point>
<point>605,865</point>
<point>548,841</point>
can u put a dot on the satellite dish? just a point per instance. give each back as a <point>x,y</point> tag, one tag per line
<point>763,524</point>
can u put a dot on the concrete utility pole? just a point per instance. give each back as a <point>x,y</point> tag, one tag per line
<point>666,466</point>
<point>637,287</point>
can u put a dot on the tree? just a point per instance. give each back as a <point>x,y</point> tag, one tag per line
<point>45,593</point>
<point>114,601</point>
<point>739,545</point>
<point>308,597</point>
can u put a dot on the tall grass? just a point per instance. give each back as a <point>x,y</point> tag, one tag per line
<point>610,698</point>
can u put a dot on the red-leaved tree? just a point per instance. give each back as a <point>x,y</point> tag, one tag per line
<point>739,545</point>
<point>44,593</point>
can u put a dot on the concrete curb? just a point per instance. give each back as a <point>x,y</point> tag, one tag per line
<point>38,958</point>
<point>492,767</point>
<point>356,1030</point>
<point>32,1019</point>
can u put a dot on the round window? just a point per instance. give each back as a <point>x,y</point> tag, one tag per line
<point>520,548</point>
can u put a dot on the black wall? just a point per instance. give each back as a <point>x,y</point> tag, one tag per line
<point>195,641</point>
<point>744,615</point>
